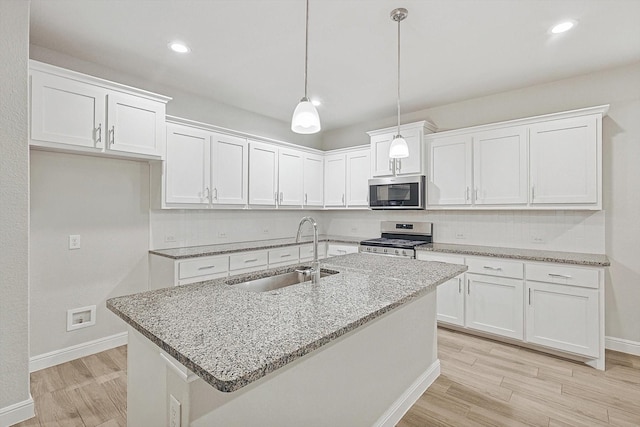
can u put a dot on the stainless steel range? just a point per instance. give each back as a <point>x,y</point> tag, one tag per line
<point>399,239</point>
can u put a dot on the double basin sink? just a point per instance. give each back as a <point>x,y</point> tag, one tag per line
<point>277,281</point>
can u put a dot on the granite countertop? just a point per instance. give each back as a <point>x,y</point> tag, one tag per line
<point>231,337</point>
<point>226,248</point>
<point>597,260</point>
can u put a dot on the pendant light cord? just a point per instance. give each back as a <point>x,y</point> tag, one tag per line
<point>306,49</point>
<point>398,77</point>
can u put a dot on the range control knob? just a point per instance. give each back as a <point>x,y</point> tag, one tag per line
<point>385,250</point>
<point>397,251</point>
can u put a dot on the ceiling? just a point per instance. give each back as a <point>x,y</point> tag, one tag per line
<point>250,53</point>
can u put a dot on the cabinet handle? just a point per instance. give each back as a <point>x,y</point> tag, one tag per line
<point>275,197</point>
<point>207,194</point>
<point>251,260</point>
<point>98,137</point>
<point>467,194</point>
<point>112,132</point>
<point>215,194</point>
<point>342,199</point>
<point>342,251</point>
<point>476,194</point>
<point>468,286</point>
<point>564,276</point>
<point>391,165</point>
<point>529,296</point>
<point>305,198</point>
<point>285,255</point>
<point>208,267</point>
<point>488,267</point>
<point>533,192</point>
<point>281,197</point>
<point>398,164</point>
<point>459,285</point>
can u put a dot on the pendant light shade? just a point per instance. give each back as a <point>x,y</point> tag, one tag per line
<point>305,117</point>
<point>398,148</point>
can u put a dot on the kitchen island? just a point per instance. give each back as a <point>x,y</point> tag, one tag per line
<point>356,349</point>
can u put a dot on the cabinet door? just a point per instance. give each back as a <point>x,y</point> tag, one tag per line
<point>229,169</point>
<point>495,305</point>
<point>381,163</point>
<point>263,174</point>
<point>358,172</point>
<point>66,111</point>
<point>136,125</point>
<point>411,165</point>
<point>450,171</point>
<point>500,174</point>
<point>341,249</point>
<point>450,304</point>
<point>313,180</point>
<point>335,177</point>
<point>563,317</point>
<point>290,187</point>
<point>564,161</point>
<point>187,165</point>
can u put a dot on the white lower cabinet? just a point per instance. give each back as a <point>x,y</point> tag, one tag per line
<point>549,305</point>
<point>335,249</point>
<point>494,305</point>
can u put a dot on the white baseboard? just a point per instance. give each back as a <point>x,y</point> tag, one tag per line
<point>57,357</point>
<point>624,346</point>
<point>17,412</point>
<point>400,407</point>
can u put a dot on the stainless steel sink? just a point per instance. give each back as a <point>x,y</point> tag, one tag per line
<point>278,281</point>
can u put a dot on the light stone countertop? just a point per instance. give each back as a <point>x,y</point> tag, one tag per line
<point>226,248</point>
<point>231,337</point>
<point>593,260</point>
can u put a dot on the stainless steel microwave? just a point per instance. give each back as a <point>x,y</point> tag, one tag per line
<point>397,192</point>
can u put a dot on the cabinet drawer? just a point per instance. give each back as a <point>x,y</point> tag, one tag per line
<point>247,260</point>
<point>495,267</point>
<point>288,255</point>
<point>429,256</point>
<point>336,250</point>
<point>203,267</point>
<point>563,275</point>
<point>306,252</point>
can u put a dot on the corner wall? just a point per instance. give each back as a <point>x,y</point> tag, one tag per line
<point>619,87</point>
<point>15,399</point>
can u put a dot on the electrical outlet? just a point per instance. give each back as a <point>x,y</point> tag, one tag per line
<point>74,241</point>
<point>222,234</point>
<point>265,230</point>
<point>169,238</point>
<point>174,412</point>
<point>354,229</point>
<point>537,239</point>
<point>461,235</point>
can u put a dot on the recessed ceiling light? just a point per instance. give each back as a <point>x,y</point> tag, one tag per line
<point>179,47</point>
<point>316,102</point>
<point>563,26</point>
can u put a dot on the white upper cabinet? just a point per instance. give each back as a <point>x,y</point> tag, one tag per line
<point>566,161</point>
<point>383,165</point>
<point>545,162</point>
<point>229,170</point>
<point>313,179</point>
<point>358,174</point>
<point>500,173</point>
<point>187,165</point>
<point>450,175</point>
<point>335,179</point>
<point>75,112</point>
<point>263,174</point>
<point>290,177</point>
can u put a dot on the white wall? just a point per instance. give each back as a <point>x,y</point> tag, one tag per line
<point>14,211</point>
<point>186,105</point>
<point>619,87</point>
<point>106,202</point>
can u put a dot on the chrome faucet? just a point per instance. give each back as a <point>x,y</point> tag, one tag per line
<point>315,265</point>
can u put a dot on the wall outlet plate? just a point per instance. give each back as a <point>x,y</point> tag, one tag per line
<point>81,317</point>
<point>74,241</point>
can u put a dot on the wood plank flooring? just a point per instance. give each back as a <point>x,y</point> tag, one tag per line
<point>483,383</point>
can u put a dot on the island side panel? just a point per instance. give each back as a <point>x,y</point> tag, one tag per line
<point>370,376</point>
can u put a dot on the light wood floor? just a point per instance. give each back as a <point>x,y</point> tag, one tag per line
<point>483,383</point>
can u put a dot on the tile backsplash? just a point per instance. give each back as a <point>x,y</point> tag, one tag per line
<point>572,231</point>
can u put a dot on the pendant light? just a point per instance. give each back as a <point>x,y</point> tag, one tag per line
<point>398,148</point>
<point>305,117</point>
